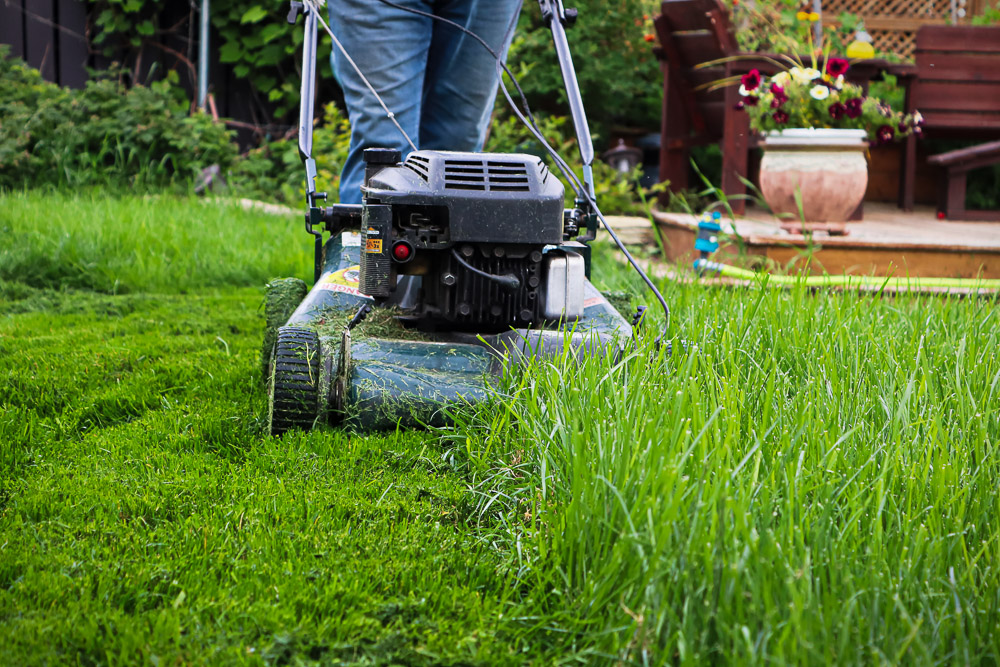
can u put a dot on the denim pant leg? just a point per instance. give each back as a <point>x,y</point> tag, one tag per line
<point>461,75</point>
<point>390,47</point>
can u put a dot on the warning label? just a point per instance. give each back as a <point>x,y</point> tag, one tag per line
<point>344,281</point>
<point>373,245</point>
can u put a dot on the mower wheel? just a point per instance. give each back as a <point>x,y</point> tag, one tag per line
<point>294,382</point>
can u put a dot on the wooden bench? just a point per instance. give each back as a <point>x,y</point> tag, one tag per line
<point>956,88</point>
<point>957,164</point>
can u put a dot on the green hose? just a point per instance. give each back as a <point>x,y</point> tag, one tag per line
<point>702,266</point>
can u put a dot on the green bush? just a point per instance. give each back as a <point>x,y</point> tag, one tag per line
<point>104,134</point>
<point>275,170</point>
<point>617,71</point>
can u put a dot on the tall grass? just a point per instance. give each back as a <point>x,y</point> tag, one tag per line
<point>121,244</point>
<point>812,481</point>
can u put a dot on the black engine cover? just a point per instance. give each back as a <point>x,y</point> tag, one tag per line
<point>489,197</point>
<point>473,226</point>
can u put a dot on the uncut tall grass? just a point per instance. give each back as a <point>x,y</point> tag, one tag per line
<point>813,480</point>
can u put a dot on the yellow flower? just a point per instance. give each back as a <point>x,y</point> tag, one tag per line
<point>813,17</point>
<point>802,16</point>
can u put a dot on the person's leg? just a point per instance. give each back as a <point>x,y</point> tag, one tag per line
<point>390,47</point>
<point>461,79</point>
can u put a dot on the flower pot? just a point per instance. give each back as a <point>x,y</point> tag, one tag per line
<point>825,169</point>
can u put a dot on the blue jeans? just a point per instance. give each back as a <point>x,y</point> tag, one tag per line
<point>439,82</point>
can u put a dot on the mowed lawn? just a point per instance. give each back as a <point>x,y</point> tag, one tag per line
<point>812,479</point>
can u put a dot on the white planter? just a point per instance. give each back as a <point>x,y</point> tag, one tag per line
<point>824,169</point>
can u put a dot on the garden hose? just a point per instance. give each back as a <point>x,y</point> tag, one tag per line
<point>703,266</point>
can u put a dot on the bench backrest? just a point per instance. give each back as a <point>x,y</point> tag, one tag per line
<point>958,77</point>
<point>692,32</point>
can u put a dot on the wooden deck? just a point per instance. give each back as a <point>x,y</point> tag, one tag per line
<point>887,242</point>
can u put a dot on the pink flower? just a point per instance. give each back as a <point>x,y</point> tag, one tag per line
<point>837,110</point>
<point>751,79</point>
<point>836,66</point>
<point>739,106</point>
<point>780,117</point>
<point>885,134</point>
<point>779,96</point>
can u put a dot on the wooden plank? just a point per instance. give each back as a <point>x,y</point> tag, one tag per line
<point>982,39</point>
<point>989,150</point>
<point>935,66</point>
<point>72,42</point>
<point>901,23</point>
<point>954,119</point>
<point>954,198</point>
<point>956,96</point>
<point>685,15</point>
<point>698,47</point>
<point>12,26</point>
<point>40,42</point>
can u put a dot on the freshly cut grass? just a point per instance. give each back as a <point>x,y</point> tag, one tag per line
<point>154,243</point>
<point>812,479</point>
<point>146,516</point>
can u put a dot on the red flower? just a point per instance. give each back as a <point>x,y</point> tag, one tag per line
<point>751,79</point>
<point>739,106</point>
<point>885,134</point>
<point>780,117</point>
<point>853,107</point>
<point>836,66</point>
<point>648,38</point>
<point>751,101</point>
<point>837,110</point>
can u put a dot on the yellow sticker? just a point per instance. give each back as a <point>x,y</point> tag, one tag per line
<point>348,276</point>
<point>373,245</point>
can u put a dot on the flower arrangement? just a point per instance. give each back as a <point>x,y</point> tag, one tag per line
<point>808,97</point>
<point>817,96</point>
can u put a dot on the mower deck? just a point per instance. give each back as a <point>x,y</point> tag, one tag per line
<point>380,374</point>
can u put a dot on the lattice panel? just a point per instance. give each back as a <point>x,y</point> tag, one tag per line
<point>900,42</point>
<point>918,9</point>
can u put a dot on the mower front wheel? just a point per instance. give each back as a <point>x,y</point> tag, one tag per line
<point>294,380</point>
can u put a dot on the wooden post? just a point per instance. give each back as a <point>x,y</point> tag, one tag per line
<point>735,148</point>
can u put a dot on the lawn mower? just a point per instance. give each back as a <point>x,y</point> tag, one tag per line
<point>454,265</point>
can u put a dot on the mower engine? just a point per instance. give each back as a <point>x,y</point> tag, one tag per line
<point>483,232</point>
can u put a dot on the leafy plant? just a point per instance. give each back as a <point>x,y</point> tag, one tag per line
<point>254,38</point>
<point>275,171</point>
<point>103,134</point>
<point>990,15</point>
<point>613,59</point>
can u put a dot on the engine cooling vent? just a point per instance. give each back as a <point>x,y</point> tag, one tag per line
<point>420,165</point>
<point>486,175</point>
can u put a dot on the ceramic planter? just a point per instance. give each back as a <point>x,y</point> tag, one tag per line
<point>827,168</point>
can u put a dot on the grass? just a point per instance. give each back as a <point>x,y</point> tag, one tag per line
<point>811,480</point>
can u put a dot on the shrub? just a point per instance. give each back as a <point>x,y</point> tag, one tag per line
<point>275,170</point>
<point>104,134</point>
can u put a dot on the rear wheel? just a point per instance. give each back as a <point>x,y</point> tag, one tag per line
<point>294,395</point>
